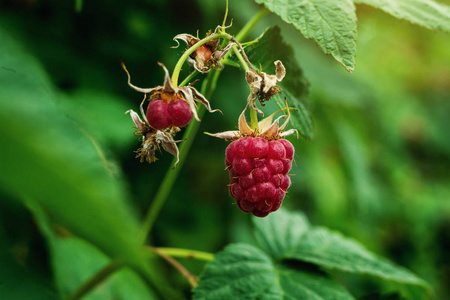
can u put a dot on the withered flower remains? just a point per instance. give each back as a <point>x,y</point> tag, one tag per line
<point>206,56</point>
<point>264,86</point>
<point>152,139</point>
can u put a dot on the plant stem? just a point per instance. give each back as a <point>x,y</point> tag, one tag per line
<point>189,78</point>
<point>95,280</point>
<point>190,278</point>
<point>186,253</point>
<point>170,177</point>
<point>251,23</point>
<point>226,15</point>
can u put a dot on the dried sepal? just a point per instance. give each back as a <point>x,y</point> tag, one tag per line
<point>243,125</point>
<point>264,86</point>
<point>267,128</point>
<point>152,140</point>
<point>168,144</point>
<point>228,135</point>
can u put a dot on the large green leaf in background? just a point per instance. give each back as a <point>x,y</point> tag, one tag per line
<point>289,236</point>
<point>330,23</point>
<point>74,261</point>
<point>44,157</point>
<point>269,48</point>
<point>242,271</point>
<point>426,13</point>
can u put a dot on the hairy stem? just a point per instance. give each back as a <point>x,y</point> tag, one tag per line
<point>95,280</point>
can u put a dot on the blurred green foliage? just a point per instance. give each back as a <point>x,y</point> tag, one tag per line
<point>377,169</point>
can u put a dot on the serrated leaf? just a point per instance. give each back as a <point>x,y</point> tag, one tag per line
<point>297,284</point>
<point>286,235</point>
<point>46,158</point>
<point>242,271</point>
<point>331,24</point>
<point>426,13</point>
<point>280,233</point>
<point>269,48</point>
<point>331,250</point>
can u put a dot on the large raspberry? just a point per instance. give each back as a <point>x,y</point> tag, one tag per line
<point>258,173</point>
<point>162,114</point>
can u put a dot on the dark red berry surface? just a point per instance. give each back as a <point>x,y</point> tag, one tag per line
<point>158,115</point>
<point>161,115</point>
<point>180,113</point>
<point>258,173</point>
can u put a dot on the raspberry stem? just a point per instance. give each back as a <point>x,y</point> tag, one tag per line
<point>186,253</point>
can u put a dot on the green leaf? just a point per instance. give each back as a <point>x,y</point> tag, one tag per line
<point>269,48</point>
<point>331,250</point>
<point>46,158</point>
<point>331,24</point>
<point>74,261</point>
<point>426,13</point>
<point>280,233</point>
<point>286,235</point>
<point>242,271</point>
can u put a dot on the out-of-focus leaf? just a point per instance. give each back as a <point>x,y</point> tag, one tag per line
<point>242,271</point>
<point>46,158</point>
<point>102,115</point>
<point>269,48</point>
<point>287,235</point>
<point>426,13</point>
<point>331,24</point>
<point>75,261</point>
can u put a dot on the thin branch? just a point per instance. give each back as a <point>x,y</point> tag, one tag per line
<point>95,280</point>
<point>192,279</point>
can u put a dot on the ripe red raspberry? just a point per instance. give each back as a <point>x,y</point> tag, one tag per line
<point>162,114</point>
<point>258,173</point>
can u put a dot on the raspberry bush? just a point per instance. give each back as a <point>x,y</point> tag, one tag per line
<point>61,177</point>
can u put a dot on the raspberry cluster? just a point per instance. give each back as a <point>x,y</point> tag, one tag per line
<point>258,173</point>
<point>162,114</point>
